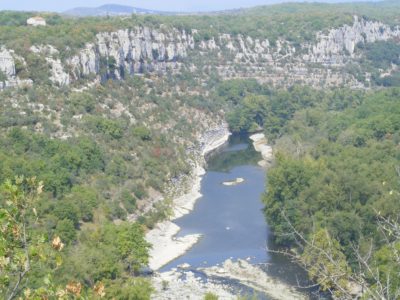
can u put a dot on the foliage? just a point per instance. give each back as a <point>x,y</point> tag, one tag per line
<point>3,77</point>
<point>132,289</point>
<point>325,262</point>
<point>110,128</point>
<point>142,132</point>
<point>331,175</point>
<point>15,249</point>
<point>383,54</point>
<point>132,246</point>
<point>23,252</point>
<point>210,296</point>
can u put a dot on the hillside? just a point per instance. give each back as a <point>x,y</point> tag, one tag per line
<point>113,116</point>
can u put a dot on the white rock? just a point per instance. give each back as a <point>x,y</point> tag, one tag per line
<point>7,64</point>
<point>58,75</point>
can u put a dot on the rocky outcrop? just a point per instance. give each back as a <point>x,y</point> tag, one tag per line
<point>254,277</point>
<point>7,67</point>
<point>58,75</point>
<point>7,64</point>
<point>131,52</point>
<point>158,50</point>
<point>181,284</point>
<point>338,45</point>
<point>260,144</point>
<point>334,47</point>
<point>86,62</point>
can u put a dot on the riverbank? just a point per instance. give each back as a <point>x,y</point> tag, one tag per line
<point>166,247</point>
<point>253,277</point>
<point>183,284</point>
<point>190,284</point>
<point>260,144</point>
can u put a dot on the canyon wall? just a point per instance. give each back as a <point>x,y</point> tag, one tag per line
<point>147,50</point>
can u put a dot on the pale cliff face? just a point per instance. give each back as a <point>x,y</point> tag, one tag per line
<point>7,64</point>
<point>137,51</point>
<point>143,50</point>
<point>340,43</point>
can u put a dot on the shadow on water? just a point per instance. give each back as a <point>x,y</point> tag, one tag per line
<point>238,152</point>
<point>231,220</point>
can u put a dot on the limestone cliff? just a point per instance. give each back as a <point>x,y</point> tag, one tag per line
<point>7,64</point>
<point>338,45</point>
<point>155,50</point>
<point>131,52</point>
<point>7,67</point>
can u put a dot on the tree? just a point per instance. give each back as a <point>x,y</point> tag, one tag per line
<point>66,230</point>
<point>326,264</point>
<point>15,244</point>
<point>132,246</point>
<point>24,253</point>
<point>21,251</point>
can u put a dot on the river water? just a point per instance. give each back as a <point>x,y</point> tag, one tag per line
<point>230,218</point>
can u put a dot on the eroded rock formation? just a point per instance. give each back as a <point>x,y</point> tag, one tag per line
<point>143,49</point>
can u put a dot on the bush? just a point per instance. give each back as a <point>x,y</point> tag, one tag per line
<point>140,191</point>
<point>210,296</point>
<point>65,229</point>
<point>116,211</point>
<point>3,76</point>
<point>128,201</point>
<point>142,132</point>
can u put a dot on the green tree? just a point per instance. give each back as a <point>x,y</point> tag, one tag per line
<point>22,251</point>
<point>325,263</point>
<point>132,246</point>
<point>66,230</point>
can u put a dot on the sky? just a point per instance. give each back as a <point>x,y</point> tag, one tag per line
<point>164,5</point>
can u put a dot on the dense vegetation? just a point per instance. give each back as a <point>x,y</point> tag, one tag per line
<point>336,174</point>
<point>100,160</point>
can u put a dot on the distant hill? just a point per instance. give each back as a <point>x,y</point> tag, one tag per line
<point>111,10</point>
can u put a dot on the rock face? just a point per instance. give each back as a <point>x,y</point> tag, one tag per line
<point>58,75</point>
<point>86,62</point>
<point>7,67</point>
<point>260,144</point>
<point>283,62</point>
<point>7,64</point>
<point>339,44</point>
<point>131,52</point>
<point>143,50</point>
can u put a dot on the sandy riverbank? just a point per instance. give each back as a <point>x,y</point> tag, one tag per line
<point>166,247</point>
<point>260,144</point>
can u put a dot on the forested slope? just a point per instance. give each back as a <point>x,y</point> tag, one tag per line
<point>333,190</point>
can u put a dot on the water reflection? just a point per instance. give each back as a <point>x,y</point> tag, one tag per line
<point>238,152</point>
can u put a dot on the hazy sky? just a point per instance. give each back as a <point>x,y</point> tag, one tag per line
<point>167,5</point>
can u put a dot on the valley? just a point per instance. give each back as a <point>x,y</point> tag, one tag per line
<point>129,143</point>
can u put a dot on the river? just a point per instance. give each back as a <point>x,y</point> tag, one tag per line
<point>230,218</point>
